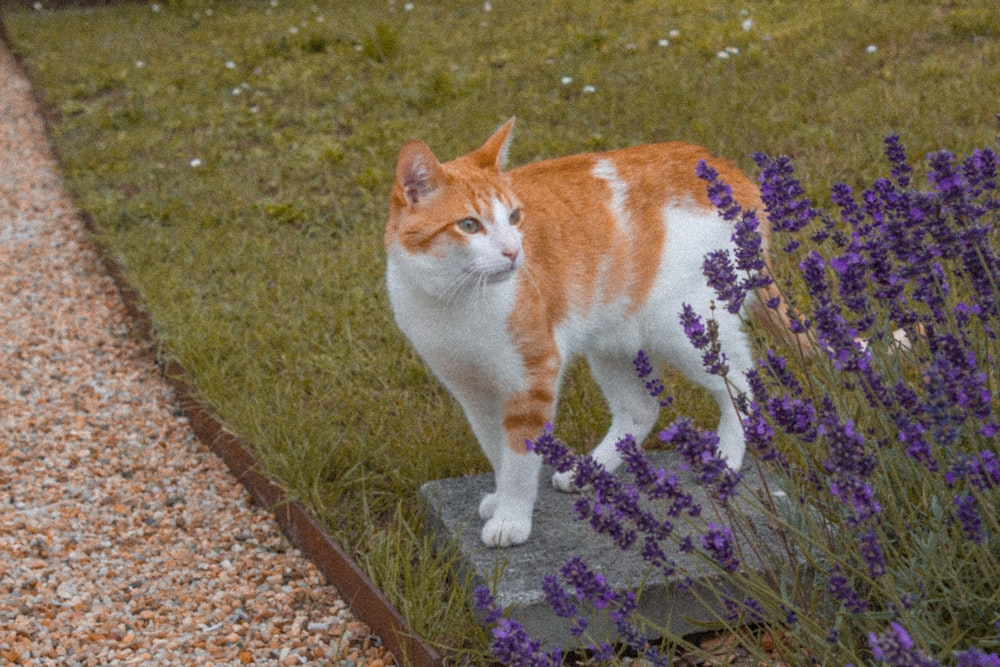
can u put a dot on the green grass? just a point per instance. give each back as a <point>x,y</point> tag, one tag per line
<point>262,264</point>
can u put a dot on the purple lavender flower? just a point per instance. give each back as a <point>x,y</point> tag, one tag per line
<point>782,193</point>
<point>907,409</point>
<point>552,450</point>
<point>759,437</point>
<point>591,587</point>
<point>485,604</point>
<point>718,267</point>
<point>843,197</point>
<point>705,337</point>
<point>644,370</point>
<point>512,644</point>
<point>777,367</point>
<point>980,172</point>
<point>841,590</point>
<point>719,193</point>
<point>947,180</point>
<point>614,508</point>
<point>974,657</point>
<point>835,333</point>
<point>955,386</point>
<point>896,649</point>
<point>694,328</point>
<point>794,416</point>
<point>700,452</point>
<point>562,602</point>
<point>852,274</point>
<point>897,157</point>
<point>968,516</point>
<point>749,246</point>
<point>721,274</point>
<point>871,553</point>
<point>849,463</point>
<point>655,483</point>
<point>981,470</point>
<point>719,542</point>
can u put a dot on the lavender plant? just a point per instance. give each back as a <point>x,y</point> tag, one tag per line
<point>883,441</point>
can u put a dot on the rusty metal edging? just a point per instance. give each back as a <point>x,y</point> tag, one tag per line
<point>366,601</point>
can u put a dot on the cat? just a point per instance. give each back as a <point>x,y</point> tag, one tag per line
<point>499,278</point>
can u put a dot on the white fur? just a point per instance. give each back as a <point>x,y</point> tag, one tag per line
<point>455,306</point>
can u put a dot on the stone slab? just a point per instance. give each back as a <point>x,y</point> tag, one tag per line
<point>515,573</point>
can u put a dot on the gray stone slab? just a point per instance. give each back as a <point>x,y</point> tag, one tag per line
<point>515,574</point>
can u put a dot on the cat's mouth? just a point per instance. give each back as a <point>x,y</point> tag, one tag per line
<point>500,275</point>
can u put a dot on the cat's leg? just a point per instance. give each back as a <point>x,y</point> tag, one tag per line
<point>511,506</point>
<point>525,414</point>
<point>633,410</point>
<point>507,511</point>
<point>486,420</point>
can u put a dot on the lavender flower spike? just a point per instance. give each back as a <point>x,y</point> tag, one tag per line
<point>895,648</point>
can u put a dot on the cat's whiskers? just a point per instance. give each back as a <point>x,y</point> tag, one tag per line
<point>468,278</point>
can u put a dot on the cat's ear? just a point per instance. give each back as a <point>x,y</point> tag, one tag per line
<point>418,172</point>
<point>494,152</point>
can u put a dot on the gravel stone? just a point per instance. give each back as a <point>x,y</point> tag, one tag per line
<point>123,540</point>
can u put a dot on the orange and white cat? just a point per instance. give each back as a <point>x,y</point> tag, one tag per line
<point>499,278</point>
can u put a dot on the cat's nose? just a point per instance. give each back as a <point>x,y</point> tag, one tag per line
<point>512,254</point>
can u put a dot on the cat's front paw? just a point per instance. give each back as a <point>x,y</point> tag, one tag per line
<point>487,506</point>
<point>565,482</point>
<point>506,531</point>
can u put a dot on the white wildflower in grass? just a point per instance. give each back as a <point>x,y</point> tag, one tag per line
<point>195,163</point>
<point>732,50</point>
<point>588,89</point>
<point>408,7</point>
<point>294,30</point>
<point>722,55</point>
<point>230,64</point>
<point>747,24</point>
<point>155,7</point>
<point>871,48</point>
<point>37,6</point>
<point>674,34</point>
<point>487,6</point>
<point>139,64</point>
<point>237,91</point>
<point>566,80</point>
<point>663,42</point>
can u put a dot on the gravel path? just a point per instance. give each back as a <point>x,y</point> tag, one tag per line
<point>123,540</point>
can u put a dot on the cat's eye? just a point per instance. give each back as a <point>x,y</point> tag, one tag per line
<point>515,216</point>
<point>469,225</point>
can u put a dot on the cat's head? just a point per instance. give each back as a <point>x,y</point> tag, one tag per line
<point>458,220</point>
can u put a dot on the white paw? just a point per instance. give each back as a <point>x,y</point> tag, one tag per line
<point>506,531</point>
<point>487,506</point>
<point>565,482</point>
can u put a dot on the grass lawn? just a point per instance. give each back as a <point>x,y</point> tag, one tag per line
<point>237,157</point>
